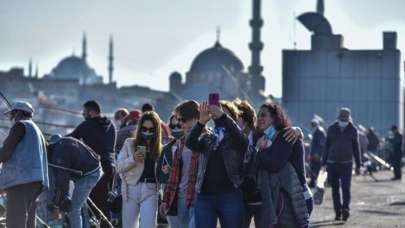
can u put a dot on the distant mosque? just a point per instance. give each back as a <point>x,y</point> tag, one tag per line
<point>218,69</point>
<point>75,67</point>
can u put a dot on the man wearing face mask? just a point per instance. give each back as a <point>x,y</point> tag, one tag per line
<point>24,172</point>
<point>342,144</point>
<point>178,198</point>
<point>98,132</point>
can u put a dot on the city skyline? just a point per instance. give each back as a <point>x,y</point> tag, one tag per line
<point>163,41</point>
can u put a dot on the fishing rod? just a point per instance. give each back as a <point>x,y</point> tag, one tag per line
<point>5,101</point>
<point>74,113</point>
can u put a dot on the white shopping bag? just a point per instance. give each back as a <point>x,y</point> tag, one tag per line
<point>320,187</point>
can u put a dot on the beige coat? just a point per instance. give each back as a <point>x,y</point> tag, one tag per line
<point>129,170</point>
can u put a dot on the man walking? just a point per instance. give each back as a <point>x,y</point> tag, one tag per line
<point>317,147</point>
<point>342,144</point>
<point>396,156</point>
<point>98,133</point>
<point>24,173</point>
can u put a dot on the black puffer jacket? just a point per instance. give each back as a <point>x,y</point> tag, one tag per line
<point>99,134</point>
<point>232,147</point>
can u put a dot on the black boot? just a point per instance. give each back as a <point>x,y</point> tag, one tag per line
<point>338,215</point>
<point>345,214</point>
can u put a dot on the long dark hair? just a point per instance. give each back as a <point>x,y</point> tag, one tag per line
<point>156,144</point>
<point>279,116</point>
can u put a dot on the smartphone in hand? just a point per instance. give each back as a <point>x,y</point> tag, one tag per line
<point>141,149</point>
<point>213,99</point>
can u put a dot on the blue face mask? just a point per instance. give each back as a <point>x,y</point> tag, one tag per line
<point>270,132</point>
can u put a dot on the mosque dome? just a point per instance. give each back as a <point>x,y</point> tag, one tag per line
<point>74,67</point>
<point>71,68</point>
<point>214,59</point>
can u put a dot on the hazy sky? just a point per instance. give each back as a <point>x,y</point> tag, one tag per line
<point>156,37</point>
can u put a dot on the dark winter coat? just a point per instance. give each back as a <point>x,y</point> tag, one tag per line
<point>342,145</point>
<point>232,147</point>
<point>99,134</point>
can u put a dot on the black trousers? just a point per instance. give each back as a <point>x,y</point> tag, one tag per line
<point>21,205</point>
<point>397,168</point>
<point>99,195</point>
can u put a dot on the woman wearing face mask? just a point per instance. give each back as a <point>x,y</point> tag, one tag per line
<point>178,198</point>
<point>247,122</point>
<point>281,172</point>
<point>136,165</point>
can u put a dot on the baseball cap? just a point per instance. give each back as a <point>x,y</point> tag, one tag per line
<point>20,106</point>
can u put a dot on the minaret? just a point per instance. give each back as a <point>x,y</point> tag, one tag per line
<point>84,47</point>
<point>30,68</point>
<point>256,46</point>
<point>320,7</point>
<point>218,34</point>
<point>36,72</point>
<point>110,60</point>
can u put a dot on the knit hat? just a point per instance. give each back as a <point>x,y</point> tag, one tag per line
<point>133,115</point>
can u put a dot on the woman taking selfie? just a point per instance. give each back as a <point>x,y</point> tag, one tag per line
<point>220,168</point>
<point>136,165</point>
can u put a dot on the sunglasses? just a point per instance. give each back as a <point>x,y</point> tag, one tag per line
<point>145,129</point>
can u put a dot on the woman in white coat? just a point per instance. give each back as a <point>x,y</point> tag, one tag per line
<point>136,164</point>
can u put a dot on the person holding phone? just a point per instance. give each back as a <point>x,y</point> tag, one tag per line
<point>219,175</point>
<point>136,164</point>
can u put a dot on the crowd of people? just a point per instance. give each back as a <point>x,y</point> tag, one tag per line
<point>211,162</point>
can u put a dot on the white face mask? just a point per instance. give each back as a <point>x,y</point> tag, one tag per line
<point>343,124</point>
<point>117,123</point>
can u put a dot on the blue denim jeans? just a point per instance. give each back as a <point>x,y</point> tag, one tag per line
<point>83,187</point>
<point>340,177</point>
<point>185,215</point>
<point>228,208</point>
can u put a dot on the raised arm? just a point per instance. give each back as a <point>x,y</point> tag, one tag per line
<point>194,142</point>
<point>234,131</point>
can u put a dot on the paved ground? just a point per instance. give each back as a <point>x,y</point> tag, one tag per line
<point>374,204</point>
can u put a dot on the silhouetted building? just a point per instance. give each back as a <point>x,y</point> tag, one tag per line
<point>329,76</point>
